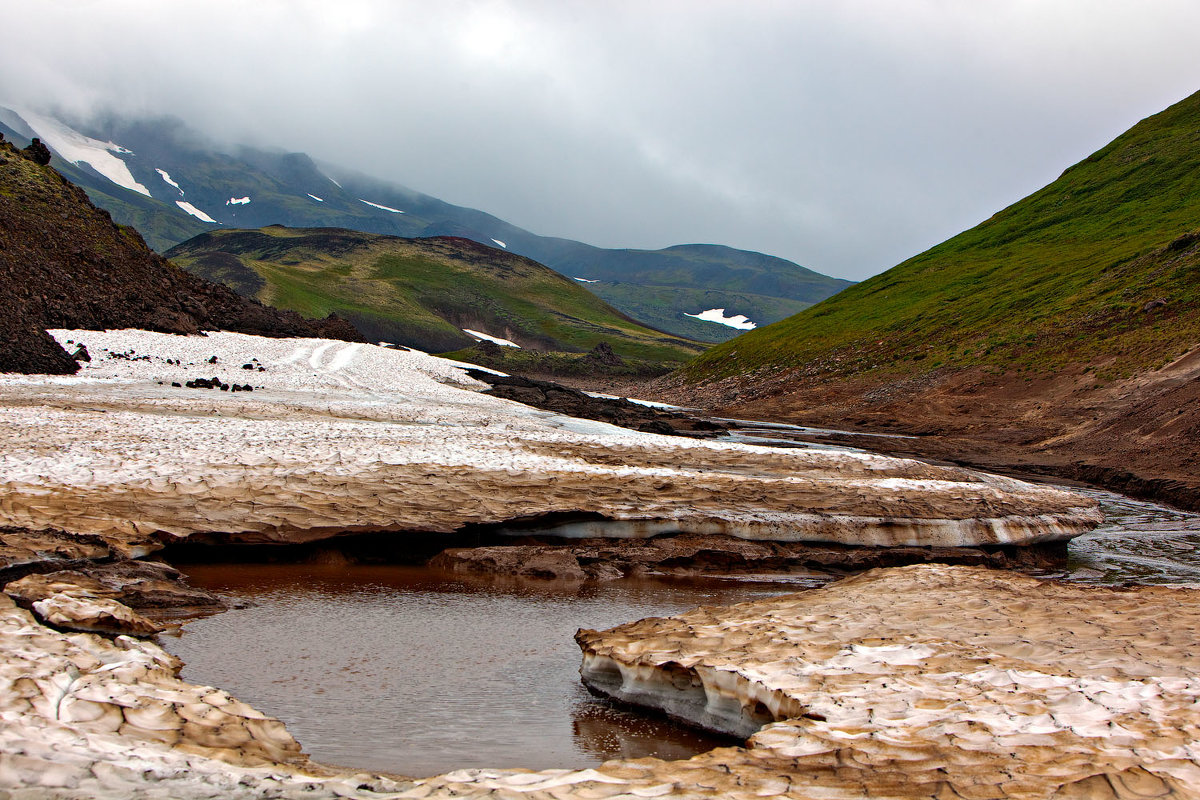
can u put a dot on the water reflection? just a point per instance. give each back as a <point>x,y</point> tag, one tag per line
<point>407,670</point>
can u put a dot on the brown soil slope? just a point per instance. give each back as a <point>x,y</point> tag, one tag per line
<point>64,263</point>
<point>1140,436</point>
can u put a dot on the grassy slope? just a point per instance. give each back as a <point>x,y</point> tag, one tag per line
<point>420,292</point>
<point>1060,277</point>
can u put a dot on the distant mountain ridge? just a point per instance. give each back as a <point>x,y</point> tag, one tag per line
<point>179,185</point>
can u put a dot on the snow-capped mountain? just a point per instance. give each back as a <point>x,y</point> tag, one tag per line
<point>171,184</point>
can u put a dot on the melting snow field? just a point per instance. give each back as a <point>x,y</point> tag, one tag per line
<point>237,201</point>
<point>341,437</point>
<point>79,149</point>
<point>487,337</point>
<point>377,205</point>
<point>166,176</point>
<point>502,244</point>
<point>195,212</point>
<point>718,315</point>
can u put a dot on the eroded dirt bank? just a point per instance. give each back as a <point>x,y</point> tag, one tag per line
<point>1138,436</point>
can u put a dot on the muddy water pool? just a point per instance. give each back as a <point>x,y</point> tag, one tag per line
<point>412,671</point>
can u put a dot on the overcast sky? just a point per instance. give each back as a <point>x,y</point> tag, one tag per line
<point>845,135</point>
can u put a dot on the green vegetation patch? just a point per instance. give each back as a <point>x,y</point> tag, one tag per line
<point>1072,274</point>
<point>423,292</point>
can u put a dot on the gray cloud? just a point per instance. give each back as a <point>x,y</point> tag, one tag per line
<point>845,135</point>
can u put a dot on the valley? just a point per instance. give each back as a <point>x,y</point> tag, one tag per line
<point>385,546</point>
<point>172,184</point>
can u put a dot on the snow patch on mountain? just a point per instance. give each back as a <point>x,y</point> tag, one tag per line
<point>377,205</point>
<point>502,244</point>
<point>167,178</point>
<point>238,201</point>
<point>587,280</point>
<point>79,149</point>
<point>195,212</point>
<point>314,197</point>
<point>489,338</point>
<point>718,315</point>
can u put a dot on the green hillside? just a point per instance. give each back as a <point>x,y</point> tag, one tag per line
<point>1069,275</point>
<point>422,292</point>
<point>250,187</point>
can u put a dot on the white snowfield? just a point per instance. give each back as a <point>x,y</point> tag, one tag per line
<point>314,197</point>
<point>487,337</point>
<point>502,244</point>
<point>238,201</point>
<point>377,205</point>
<point>79,149</point>
<point>195,212</point>
<point>166,176</point>
<point>340,437</point>
<point>717,315</point>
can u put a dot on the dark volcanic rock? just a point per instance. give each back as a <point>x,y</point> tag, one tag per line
<point>37,152</point>
<point>65,264</point>
<point>23,551</point>
<point>603,354</point>
<point>555,397</point>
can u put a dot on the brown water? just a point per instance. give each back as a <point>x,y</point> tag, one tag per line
<point>411,671</point>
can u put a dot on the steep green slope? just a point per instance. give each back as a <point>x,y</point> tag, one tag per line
<point>421,292</point>
<point>1069,275</point>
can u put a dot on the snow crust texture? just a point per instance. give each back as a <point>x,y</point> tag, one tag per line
<point>916,682</point>
<point>932,681</point>
<point>340,437</point>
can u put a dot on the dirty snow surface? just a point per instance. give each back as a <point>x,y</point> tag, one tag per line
<point>338,437</point>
